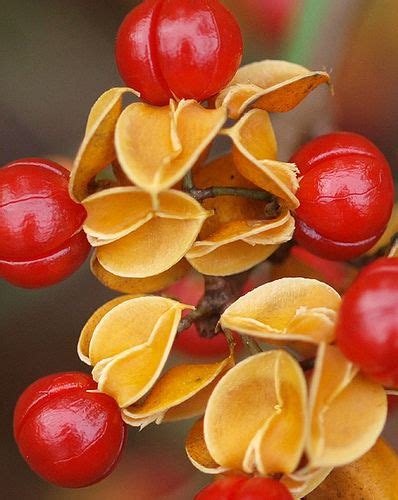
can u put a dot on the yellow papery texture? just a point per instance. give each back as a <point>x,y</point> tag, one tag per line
<point>139,285</point>
<point>289,309</point>
<point>301,485</point>
<point>254,402</point>
<point>178,385</point>
<point>230,239</point>
<point>137,240</point>
<point>254,154</point>
<point>86,334</point>
<point>128,344</point>
<point>348,411</point>
<point>157,146</point>
<point>97,150</point>
<point>275,86</point>
<point>373,477</point>
<point>198,454</point>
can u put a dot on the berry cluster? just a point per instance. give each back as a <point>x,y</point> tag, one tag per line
<point>167,213</point>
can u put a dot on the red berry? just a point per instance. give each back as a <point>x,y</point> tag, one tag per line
<point>190,290</point>
<point>171,49</point>
<point>40,224</point>
<point>243,488</point>
<point>273,18</point>
<point>69,436</point>
<point>367,328</point>
<point>346,195</point>
<point>222,489</point>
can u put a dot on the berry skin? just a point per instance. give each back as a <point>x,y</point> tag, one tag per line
<point>190,290</point>
<point>243,488</point>
<point>367,327</point>
<point>67,435</point>
<point>171,49</point>
<point>41,241</point>
<point>346,195</point>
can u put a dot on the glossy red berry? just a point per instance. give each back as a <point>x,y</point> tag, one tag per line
<point>190,290</point>
<point>367,327</point>
<point>172,49</point>
<point>243,488</point>
<point>68,435</point>
<point>41,241</point>
<point>346,195</point>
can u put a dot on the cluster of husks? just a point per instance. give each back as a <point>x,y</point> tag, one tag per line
<point>147,231</point>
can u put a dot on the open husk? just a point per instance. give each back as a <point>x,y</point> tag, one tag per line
<point>274,86</point>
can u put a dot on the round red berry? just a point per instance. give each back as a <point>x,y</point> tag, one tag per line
<point>243,488</point>
<point>41,238</point>
<point>190,290</point>
<point>68,435</point>
<point>346,195</point>
<point>171,49</point>
<point>367,327</point>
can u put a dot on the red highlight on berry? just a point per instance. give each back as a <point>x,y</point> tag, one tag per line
<point>68,434</point>
<point>171,49</point>
<point>346,195</point>
<point>41,237</point>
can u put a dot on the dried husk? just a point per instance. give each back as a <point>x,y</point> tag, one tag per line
<point>157,146</point>
<point>342,427</point>
<point>274,86</point>
<point>179,385</point>
<point>137,240</point>
<point>254,153</point>
<point>289,309</point>
<point>373,477</point>
<point>130,345</point>
<point>139,285</point>
<point>97,150</point>
<point>253,403</point>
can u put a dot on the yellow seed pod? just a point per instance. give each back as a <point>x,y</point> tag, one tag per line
<point>275,86</point>
<point>342,428</point>
<point>157,146</point>
<point>129,345</point>
<point>254,154</point>
<point>256,416</point>
<point>197,452</point>
<point>182,392</point>
<point>240,245</point>
<point>137,240</point>
<point>139,285</point>
<point>97,150</point>
<point>289,309</point>
<point>373,477</point>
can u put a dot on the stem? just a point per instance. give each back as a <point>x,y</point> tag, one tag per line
<point>213,192</point>
<point>251,344</point>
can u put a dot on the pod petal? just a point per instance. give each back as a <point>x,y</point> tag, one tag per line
<point>275,86</point>
<point>289,309</point>
<point>97,150</point>
<point>156,146</point>
<point>342,428</point>
<point>198,454</point>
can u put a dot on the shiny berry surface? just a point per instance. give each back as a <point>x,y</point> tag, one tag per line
<point>171,49</point>
<point>39,224</point>
<point>346,195</point>
<point>367,328</point>
<point>243,488</point>
<point>67,435</point>
<point>190,290</point>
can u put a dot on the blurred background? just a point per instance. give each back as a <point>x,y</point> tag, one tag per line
<point>56,57</point>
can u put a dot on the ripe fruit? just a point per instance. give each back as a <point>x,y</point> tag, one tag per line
<point>68,435</point>
<point>367,328</point>
<point>346,195</point>
<point>244,488</point>
<point>190,290</point>
<point>169,48</point>
<point>41,241</point>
